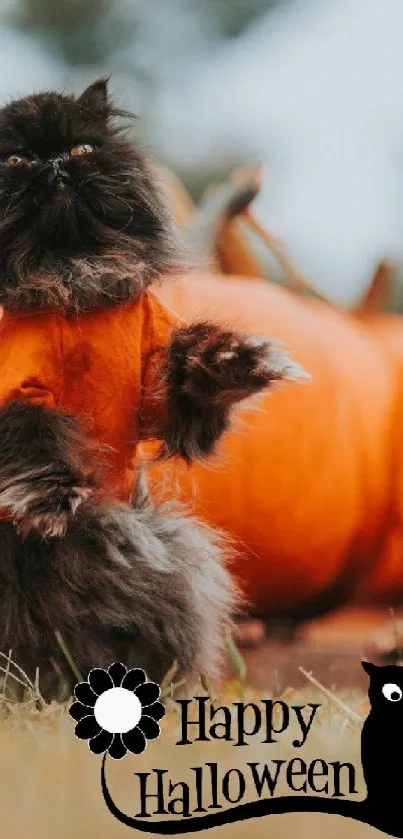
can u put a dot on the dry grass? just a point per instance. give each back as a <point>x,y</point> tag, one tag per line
<point>50,782</point>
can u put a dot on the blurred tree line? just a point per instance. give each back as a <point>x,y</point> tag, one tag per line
<point>89,32</point>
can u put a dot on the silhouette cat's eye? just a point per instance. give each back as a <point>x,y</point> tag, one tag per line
<point>392,692</point>
<point>81,149</point>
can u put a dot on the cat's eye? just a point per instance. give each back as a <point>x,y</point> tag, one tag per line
<point>16,160</point>
<point>81,148</point>
<point>392,692</point>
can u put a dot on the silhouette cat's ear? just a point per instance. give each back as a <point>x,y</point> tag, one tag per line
<point>368,667</point>
<point>95,97</point>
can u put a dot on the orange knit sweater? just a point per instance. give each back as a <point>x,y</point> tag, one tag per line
<point>100,367</point>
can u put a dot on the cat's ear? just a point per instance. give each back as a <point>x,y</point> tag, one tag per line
<point>95,97</point>
<point>368,667</point>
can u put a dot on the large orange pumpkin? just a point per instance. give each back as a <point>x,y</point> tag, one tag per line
<point>303,482</point>
<point>385,582</point>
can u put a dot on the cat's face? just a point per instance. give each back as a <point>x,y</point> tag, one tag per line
<point>71,183</point>
<point>385,689</point>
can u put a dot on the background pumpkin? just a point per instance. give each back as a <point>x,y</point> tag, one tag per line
<point>385,582</point>
<point>304,482</point>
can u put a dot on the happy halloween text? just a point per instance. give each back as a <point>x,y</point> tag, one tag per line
<point>211,788</point>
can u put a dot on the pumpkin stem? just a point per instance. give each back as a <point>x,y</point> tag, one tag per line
<point>297,282</point>
<point>211,229</point>
<point>375,298</point>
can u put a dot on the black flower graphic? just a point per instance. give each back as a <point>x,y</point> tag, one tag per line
<point>117,710</point>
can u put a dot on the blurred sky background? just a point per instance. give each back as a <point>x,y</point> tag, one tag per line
<point>311,88</point>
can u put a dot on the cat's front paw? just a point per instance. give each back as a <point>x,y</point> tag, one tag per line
<point>248,365</point>
<point>225,367</point>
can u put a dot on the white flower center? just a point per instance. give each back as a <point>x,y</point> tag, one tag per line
<point>117,710</point>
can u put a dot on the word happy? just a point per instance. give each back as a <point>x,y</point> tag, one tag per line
<point>209,788</point>
<point>221,723</point>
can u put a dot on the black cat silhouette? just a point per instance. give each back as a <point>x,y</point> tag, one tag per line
<point>382,739</point>
<point>382,761</point>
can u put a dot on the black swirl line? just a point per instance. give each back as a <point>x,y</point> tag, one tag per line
<point>357,810</point>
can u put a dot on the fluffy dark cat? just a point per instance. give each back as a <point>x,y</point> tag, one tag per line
<point>83,232</point>
<point>382,736</point>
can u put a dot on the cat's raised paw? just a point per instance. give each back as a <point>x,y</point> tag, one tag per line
<point>226,367</point>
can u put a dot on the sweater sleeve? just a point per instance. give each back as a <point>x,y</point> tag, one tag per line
<point>159,326</point>
<point>46,464</point>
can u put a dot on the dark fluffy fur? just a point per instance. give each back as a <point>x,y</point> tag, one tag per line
<point>208,371</point>
<point>96,234</point>
<point>145,586</point>
<point>46,467</point>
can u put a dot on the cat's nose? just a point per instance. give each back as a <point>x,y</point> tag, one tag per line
<point>57,172</point>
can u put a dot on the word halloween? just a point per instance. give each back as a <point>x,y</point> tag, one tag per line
<point>210,788</point>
